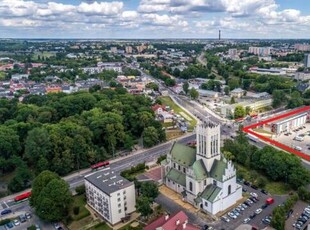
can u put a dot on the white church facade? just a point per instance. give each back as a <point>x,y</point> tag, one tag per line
<point>203,176</point>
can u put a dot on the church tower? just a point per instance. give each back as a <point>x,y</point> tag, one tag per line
<point>208,142</point>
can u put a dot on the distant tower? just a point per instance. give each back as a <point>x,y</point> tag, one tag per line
<point>219,35</point>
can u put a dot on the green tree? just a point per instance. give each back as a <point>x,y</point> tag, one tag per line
<point>150,136</point>
<point>143,206</point>
<point>21,180</point>
<point>233,83</point>
<point>9,142</point>
<point>149,190</point>
<point>232,100</point>
<point>278,218</point>
<point>50,197</point>
<point>226,90</point>
<point>248,110</point>
<point>194,94</point>
<point>295,100</point>
<point>239,112</point>
<point>185,87</point>
<point>278,98</point>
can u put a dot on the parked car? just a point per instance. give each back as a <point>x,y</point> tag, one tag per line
<point>9,225</point>
<point>28,215</point>
<point>264,206</point>
<point>246,220</point>
<point>232,215</point>
<point>289,213</point>
<point>244,189</point>
<point>225,218</point>
<point>37,227</point>
<point>258,211</point>
<point>264,191</point>
<point>16,222</point>
<point>22,218</point>
<point>6,211</point>
<point>254,194</point>
<point>247,183</point>
<point>254,187</point>
<point>253,215</point>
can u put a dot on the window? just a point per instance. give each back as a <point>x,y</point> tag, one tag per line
<point>206,204</point>
<point>118,199</point>
<point>190,186</point>
<point>214,182</point>
<point>229,189</point>
<point>120,211</point>
<point>184,170</point>
<point>118,194</point>
<point>174,165</point>
<point>124,192</point>
<point>205,182</point>
<point>179,167</point>
<point>119,205</point>
<point>125,209</point>
<point>168,180</point>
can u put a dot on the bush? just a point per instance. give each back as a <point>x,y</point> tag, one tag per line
<point>4,221</point>
<point>32,227</point>
<point>76,210</point>
<point>80,189</point>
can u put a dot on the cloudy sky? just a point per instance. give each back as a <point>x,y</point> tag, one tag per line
<point>154,18</point>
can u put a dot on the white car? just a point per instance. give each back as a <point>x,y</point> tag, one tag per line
<point>254,194</point>
<point>258,211</point>
<point>245,221</point>
<point>231,215</point>
<point>16,222</point>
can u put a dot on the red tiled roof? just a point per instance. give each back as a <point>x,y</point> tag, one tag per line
<point>171,223</point>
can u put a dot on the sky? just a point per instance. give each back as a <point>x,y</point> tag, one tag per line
<point>130,19</point>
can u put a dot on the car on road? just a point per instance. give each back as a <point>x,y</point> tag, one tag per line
<point>264,206</point>
<point>244,189</point>
<point>252,216</point>
<point>258,211</point>
<point>246,220</point>
<point>6,211</point>
<point>37,227</point>
<point>16,222</point>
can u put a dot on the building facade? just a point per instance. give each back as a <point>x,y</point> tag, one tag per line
<point>307,60</point>
<point>289,123</point>
<point>110,195</point>
<point>203,176</point>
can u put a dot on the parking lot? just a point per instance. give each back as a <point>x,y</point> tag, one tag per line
<point>298,214</point>
<point>297,138</point>
<point>255,220</point>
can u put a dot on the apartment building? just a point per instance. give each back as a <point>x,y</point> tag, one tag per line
<point>110,195</point>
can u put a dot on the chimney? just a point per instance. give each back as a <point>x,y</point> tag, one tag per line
<point>184,224</point>
<point>166,216</point>
<point>177,222</point>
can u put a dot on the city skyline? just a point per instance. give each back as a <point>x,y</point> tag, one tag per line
<point>279,19</point>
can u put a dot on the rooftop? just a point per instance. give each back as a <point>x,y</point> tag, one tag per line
<point>210,193</point>
<point>107,181</point>
<point>183,155</point>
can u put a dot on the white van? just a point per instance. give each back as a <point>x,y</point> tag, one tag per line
<point>299,138</point>
<point>298,148</point>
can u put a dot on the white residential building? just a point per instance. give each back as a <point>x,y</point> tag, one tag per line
<point>203,176</point>
<point>110,195</point>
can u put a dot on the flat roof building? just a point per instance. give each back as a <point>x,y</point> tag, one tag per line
<point>110,195</point>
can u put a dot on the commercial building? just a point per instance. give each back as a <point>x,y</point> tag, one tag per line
<point>237,93</point>
<point>232,52</point>
<point>128,49</point>
<point>116,66</point>
<point>289,123</point>
<point>302,47</point>
<point>307,60</point>
<point>254,105</point>
<point>110,195</point>
<point>203,176</point>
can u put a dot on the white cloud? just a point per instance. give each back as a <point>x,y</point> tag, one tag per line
<point>102,8</point>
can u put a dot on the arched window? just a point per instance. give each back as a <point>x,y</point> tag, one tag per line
<point>190,186</point>
<point>229,189</point>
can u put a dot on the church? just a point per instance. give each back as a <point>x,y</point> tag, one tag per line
<point>203,176</point>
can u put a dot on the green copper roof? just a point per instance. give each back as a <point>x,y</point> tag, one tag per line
<point>210,193</point>
<point>183,155</point>
<point>177,177</point>
<point>164,162</point>
<point>218,170</point>
<point>200,170</point>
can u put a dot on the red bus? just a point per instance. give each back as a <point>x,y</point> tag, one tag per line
<point>23,196</point>
<point>100,165</point>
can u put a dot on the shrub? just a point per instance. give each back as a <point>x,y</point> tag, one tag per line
<point>76,210</point>
<point>4,221</point>
<point>80,189</point>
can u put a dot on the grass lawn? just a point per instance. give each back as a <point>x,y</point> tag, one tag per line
<point>262,131</point>
<point>178,110</point>
<point>79,201</point>
<point>101,226</point>
<point>2,75</point>
<point>128,227</point>
<point>42,54</point>
<point>278,188</point>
